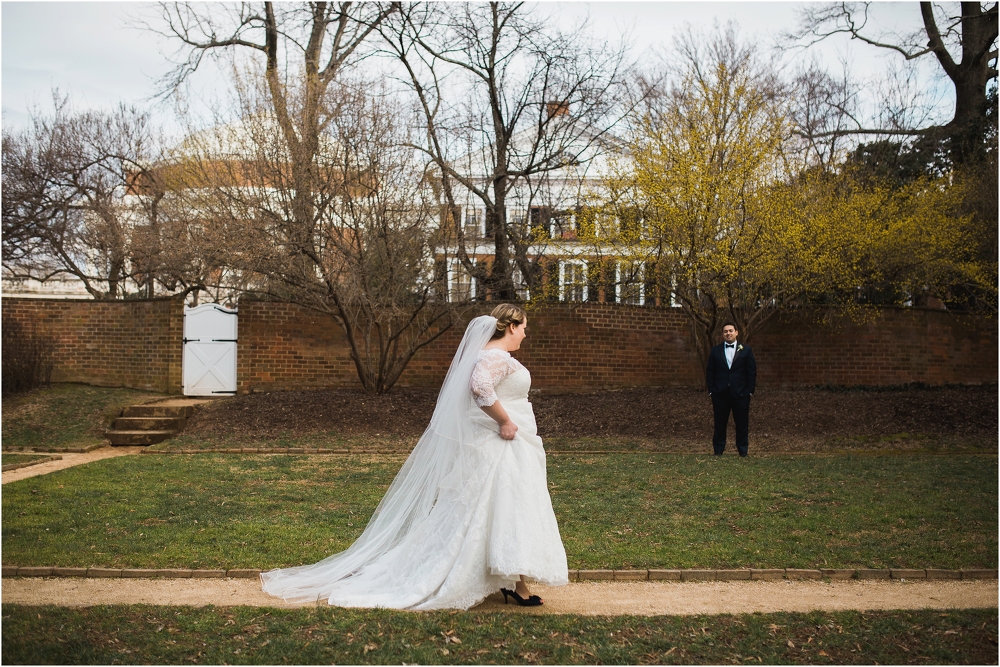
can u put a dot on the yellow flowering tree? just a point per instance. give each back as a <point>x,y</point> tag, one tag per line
<point>705,200</point>
<point>703,158</point>
<point>903,244</point>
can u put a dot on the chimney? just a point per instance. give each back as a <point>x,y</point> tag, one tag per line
<point>557,109</point>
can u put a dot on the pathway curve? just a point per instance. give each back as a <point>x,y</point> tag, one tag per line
<point>587,598</point>
<point>68,461</point>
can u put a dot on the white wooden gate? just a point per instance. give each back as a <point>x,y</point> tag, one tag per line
<point>209,362</point>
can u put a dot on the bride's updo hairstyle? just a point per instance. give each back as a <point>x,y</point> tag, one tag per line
<point>506,315</point>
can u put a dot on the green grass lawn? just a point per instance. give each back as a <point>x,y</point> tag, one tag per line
<point>142,634</point>
<point>614,511</point>
<point>10,459</point>
<point>764,445</point>
<point>910,443</point>
<point>64,415</point>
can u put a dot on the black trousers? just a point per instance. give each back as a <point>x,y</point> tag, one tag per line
<point>723,403</point>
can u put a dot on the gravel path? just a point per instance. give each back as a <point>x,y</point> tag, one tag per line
<point>68,461</point>
<point>587,598</point>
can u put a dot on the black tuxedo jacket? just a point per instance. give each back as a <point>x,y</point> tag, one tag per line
<point>741,379</point>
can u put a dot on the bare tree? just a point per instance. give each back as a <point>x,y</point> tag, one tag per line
<point>70,207</point>
<point>823,109</point>
<point>366,256</point>
<point>175,246</point>
<point>304,49</point>
<point>310,189</point>
<point>507,101</point>
<point>971,32</point>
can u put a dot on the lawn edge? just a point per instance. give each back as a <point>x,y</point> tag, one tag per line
<point>17,466</point>
<point>744,574</point>
<point>553,452</point>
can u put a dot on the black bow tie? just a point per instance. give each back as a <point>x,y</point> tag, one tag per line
<point>730,344</point>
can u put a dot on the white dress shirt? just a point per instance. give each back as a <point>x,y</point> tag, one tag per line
<point>730,352</point>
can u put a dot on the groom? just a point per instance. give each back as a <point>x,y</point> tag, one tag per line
<point>732,378</point>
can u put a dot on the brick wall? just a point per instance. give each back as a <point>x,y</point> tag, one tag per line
<point>579,347</point>
<point>900,346</point>
<point>283,346</point>
<point>109,343</point>
<point>570,347</point>
<point>591,346</point>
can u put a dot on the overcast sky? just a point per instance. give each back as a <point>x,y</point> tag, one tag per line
<point>89,50</point>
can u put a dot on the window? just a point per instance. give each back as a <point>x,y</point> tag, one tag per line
<point>517,217</point>
<point>631,223</point>
<point>461,286</point>
<point>520,287</point>
<point>572,280</point>
<point>594,281</point>
<point>629,283</point>
<point>473,224</point>
<point>562,225</point>
<point>656,292</point>
<point>540,218</point>
<point>605,225</point>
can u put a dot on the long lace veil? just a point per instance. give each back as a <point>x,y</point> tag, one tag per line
<point>437,461</point>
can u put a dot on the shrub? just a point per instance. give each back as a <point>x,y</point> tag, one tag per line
<point>27,356</point>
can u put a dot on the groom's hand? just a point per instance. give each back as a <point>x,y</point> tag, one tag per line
<point>508,430</point>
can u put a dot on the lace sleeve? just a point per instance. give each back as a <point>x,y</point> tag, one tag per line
<point>493,366</point>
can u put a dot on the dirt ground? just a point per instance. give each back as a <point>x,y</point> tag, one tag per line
<point>781,419</point>
<point>587,598</point>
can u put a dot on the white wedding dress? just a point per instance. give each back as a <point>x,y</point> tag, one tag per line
<point>467,514</point>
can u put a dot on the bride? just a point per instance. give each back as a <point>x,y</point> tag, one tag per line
<point>469,512</point>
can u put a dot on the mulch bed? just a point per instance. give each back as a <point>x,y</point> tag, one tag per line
<point>880,418</point>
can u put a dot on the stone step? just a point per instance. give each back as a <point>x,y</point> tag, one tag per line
<point>174,411</point>
<point>120,438</point>
<point>149,424</point>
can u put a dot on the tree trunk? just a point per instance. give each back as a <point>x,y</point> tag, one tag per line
<point>970,76</point>
<point>501,285</point>
<point>702,343</point>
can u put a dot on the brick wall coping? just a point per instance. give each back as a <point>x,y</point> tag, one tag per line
<point>892,574</point>
<point>254,299</point>
<point>90,299</point>
<point>553,452</point>
<point>487,305</point>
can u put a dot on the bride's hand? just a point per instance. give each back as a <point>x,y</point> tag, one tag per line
<point>508,430</point>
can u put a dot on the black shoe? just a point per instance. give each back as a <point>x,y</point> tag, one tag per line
<point>743,456</point>
<point>532,601</point>
<point>717,454</point>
